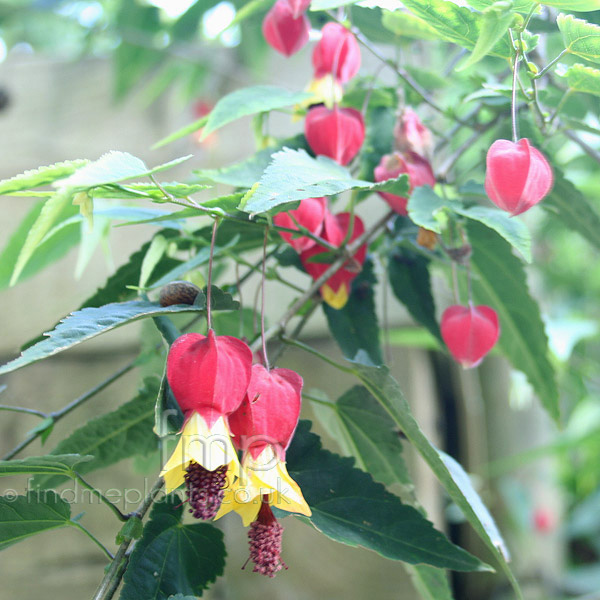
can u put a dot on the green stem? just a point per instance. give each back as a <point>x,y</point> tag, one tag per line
<point>291,342</point>
<point>28,411</point>
<point>94,539</point>
<point>559,106</point>
<point>101,497</point>
<point>550,65</point>
<point>331,405</point>
<point>514,87</point>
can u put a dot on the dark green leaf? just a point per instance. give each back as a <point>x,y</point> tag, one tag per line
<point>59,464</point>
<point>87,323</point>
<point>355,325</point>
<point>409,277</point>
<point>42,176</point>
<point>112,437</point>
<point>171,558</point>
<point>132,530</point>
<point>293,175</point>
<point>24,516</point>
<point>569,205</point>
<point>499,281</point>
<point>349,507</point>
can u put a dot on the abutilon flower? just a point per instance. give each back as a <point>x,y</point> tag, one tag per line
<point>393,165</point>
<point>326,90</point>
<point>264,537</point>
<point>337,133</point>
<point>299,7</point>
<point>284,31</point>
<point>410,135</point>
<point>517,176</point>
<point>309,214</point>
<point>263,427</point>
<point>337,52</point>
<point>470,332</point>
<point>208,376</point>
<point>336,290</point>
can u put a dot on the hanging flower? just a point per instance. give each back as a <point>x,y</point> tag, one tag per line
<point>393,165</point>
<point>410,135</point>
<point>336,290</point>
<point>285,30</point>
<point>309,214</point>
<point>337,133</point>
<point>518,175</point>
<point>337,52</point>
<point>470,332</point>
<point>208,376</point>
<point>263,427</point>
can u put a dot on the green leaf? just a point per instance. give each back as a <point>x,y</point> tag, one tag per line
<point>583,79</point>
<point>249,101</point>
<point>349,507</point>
<point>87,323</point>
<point>124,191</point>
<point>59,464</point>
<point>182,132</point>
<point>158,247</point>
<point>355,325</point>
<point>387,392</point>
<point>119,434</point>
<point>580,37</point>
<point>407,25</point>
<point>456,24</point>
<point>42,176</point>
<point>427,210</point>
<point>571,208</point>
<point>499,281</point>
<point>171,558</point>
<point>520,6</point>
<point>574,5</point>
<point>375,439</point>
<point>497,18</point>
<point>24,516</point>
<point>293,175</point>
<point>409,278</point>
<point>430,583</point>
<point>246,173</point>
<point>132,530</point>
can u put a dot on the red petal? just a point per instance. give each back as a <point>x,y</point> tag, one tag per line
<point>337,52</point>
<point>283,31</point>
<point>309,214</point>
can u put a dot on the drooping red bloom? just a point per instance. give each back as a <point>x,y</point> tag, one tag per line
<point>470,332</point>
<point>263,427</point>
<point>337,52</point>
<point>299,7</point>
<point>208,376</point>
<point>309,214</point>
<point>337,133</point>
<point>284,31</point>
<point>336,290</point>
<point>410,135</point>
<point>393,165</point>
<point>517,176</point>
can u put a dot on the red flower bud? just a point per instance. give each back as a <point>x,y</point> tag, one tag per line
<point>337,133</point>
<point>309,214</point>
<point>336,289</point>
<point>283,31</point>
<point>518,175</point>
<point>410,135</point>
<point>269,412</point>
<point>209,374</point>
<point>393,165</point>
<point>470,332</point>
<point>337,52</point>
<point>299,7</point>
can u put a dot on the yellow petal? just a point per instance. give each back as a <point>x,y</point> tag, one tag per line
<point>327,90</point>
<point>211,448</point>
<point>335,299</point>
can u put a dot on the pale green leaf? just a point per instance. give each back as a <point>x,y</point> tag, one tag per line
<point>155,252</point>
<point>407,25</point>
<point>583,79</point>
<point>42,176</point>
<point>580,37</point>
<point>293,175</point>
<point>574,5</point>
<point>249,101</point>
<point>520,6</point>
<point>182,132</point>
<point>329,4</point>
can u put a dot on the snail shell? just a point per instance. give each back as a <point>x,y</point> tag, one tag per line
<point>178,292</point>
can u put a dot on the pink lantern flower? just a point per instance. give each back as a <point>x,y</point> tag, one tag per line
<point>309,214</point>
<point>470,332</point>
<point>337,52</point>
<point>410,135</point>
<point>393,165</point>
<point>517,176</point>
<point>208,376</point>
<point>263,427</point>
<point>299,7</point>
<point>336,290</point>
<point>283,31</point>
<point>337,133</point>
